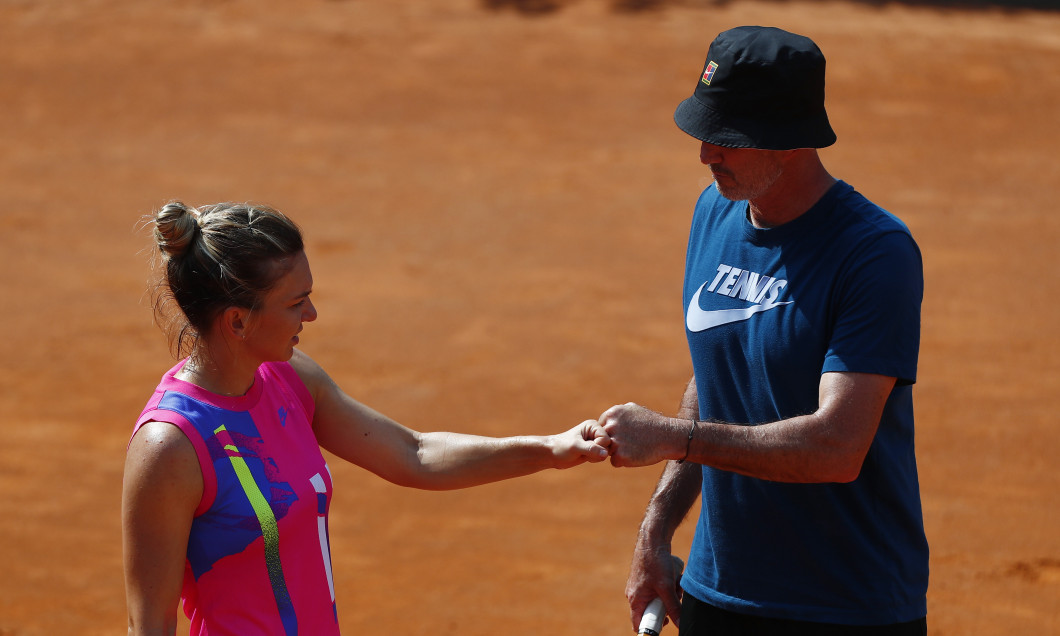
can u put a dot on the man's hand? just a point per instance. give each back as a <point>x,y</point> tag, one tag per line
<point>653,574</point>
<point>641,437</point>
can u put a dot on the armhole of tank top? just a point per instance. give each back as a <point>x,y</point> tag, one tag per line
<point>209,477</point>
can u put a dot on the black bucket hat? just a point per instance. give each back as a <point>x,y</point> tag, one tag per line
<point>761,87</point>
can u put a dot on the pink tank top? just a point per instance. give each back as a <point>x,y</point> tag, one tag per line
<point>259,560</point>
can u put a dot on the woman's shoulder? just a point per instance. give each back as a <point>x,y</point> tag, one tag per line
<point>164,444</point>
<point>310,373</point>
<point>163,474</point>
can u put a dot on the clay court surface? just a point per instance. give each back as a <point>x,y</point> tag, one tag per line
<point>496,204</point>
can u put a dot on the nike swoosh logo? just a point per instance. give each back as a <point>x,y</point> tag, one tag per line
<point>697,319</point>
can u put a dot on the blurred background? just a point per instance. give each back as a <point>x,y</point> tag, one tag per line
<point>496,204</point>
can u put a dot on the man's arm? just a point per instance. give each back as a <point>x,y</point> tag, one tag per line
<point>828,445</point>
<point>652,574</point>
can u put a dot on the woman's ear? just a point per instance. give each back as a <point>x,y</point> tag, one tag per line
<point>234,323</point>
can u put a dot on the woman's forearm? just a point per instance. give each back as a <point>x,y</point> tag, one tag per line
<point>453,460</point>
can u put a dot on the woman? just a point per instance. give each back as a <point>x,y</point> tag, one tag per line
<point>226,493</point>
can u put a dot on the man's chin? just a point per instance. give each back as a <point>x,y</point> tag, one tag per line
<point>730,193</point>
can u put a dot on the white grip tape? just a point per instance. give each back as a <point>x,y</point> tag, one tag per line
<point>651,622</point>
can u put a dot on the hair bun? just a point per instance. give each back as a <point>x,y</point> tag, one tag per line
<point>175,228</point>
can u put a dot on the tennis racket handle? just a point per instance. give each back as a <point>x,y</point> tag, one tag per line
<point>651,622</point>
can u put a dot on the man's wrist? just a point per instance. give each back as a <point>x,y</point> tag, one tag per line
<point>688,427</point>
<point>652,542</point>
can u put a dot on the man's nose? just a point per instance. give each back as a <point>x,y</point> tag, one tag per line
<point>709,153</point>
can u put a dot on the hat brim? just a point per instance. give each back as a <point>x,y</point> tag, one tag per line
<point>707,124</point>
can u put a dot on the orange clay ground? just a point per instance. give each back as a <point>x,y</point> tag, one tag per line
<point>496,204</point>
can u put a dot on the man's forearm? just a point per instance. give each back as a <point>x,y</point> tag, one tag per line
<point>828,445</point>
<point>678,489</point>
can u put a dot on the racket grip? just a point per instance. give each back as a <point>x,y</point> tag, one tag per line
<point>651,622</point>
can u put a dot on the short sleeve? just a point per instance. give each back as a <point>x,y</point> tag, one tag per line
<point>876,326</point>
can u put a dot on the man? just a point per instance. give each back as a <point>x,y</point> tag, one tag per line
<point>802,311</point>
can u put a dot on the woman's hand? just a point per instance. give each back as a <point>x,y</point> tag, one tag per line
<point>586,442</point>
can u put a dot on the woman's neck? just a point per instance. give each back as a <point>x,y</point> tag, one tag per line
<point>223,377</point>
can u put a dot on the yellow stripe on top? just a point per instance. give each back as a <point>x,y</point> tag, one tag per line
<point>270,534</point>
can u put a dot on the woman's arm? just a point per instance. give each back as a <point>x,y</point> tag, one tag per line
<point>435,461</point>
<point>162,487</point>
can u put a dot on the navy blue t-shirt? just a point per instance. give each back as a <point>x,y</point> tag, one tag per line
<point>767,312</point>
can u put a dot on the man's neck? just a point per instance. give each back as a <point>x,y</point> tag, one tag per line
<point>801,185</point>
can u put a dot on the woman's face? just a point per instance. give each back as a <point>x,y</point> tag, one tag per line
<point>272,329</point>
